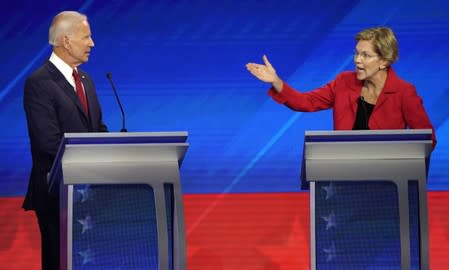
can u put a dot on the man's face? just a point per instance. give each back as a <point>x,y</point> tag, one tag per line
<point>80,44</point>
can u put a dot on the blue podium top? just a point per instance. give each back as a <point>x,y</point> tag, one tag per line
<point>369,135</point>
<point>125,138</point>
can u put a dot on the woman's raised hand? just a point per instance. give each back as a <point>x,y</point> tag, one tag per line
<point>265,72</point>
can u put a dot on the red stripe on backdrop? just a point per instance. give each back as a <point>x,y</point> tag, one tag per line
<point>439,229</point>
<point>233,231</point>
<point>19,236</point>
<point>248,231</point>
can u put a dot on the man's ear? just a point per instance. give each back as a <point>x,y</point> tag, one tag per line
<point>66,41</point>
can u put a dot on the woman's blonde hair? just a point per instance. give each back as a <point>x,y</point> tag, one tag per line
<point>383,40</point>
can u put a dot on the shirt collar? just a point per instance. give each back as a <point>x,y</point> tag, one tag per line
<point>63,67</point>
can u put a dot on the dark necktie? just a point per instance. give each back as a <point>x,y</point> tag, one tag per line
<point>80,92</point>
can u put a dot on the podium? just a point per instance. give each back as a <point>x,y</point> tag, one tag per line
<point>368,198</point>
<point>120,200</point>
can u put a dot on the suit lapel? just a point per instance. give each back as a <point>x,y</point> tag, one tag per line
<point>90,94</point>
<point>66,87</point>
<point>356,87</point>
<point>389,89</point>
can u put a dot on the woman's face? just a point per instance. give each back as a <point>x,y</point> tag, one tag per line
<point>367,61</point>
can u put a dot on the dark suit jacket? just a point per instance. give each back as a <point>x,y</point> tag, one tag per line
<point>52,108</point>
<point>397,107</point>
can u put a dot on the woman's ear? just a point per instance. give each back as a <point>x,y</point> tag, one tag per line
<point>384,64</point>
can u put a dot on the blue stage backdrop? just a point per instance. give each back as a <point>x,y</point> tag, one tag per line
<point>180,65</point>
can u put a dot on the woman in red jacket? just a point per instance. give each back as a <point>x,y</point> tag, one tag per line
<point>371,97</point>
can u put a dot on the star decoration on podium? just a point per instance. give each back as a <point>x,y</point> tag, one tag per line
<point>330,190</point>
<point>330,221</point>
<point>331,253</point>
<point>87,256</point>
<point>84,193</point>
<point>86,224</point>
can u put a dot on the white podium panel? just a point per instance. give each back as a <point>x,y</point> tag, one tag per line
<point>368,198</point>
<point>121,200</point>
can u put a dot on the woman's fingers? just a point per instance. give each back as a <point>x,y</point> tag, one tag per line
<point>265,60</point>
<point>261,72</point>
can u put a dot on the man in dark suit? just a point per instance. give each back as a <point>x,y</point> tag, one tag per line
<point>58,98</point>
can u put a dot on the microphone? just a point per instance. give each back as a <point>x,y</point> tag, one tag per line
<point>109,76</point>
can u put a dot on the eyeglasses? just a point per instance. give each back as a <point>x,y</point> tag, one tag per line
<point>364,55</point>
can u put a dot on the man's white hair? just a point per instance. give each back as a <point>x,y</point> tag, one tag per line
<point>64,24</point>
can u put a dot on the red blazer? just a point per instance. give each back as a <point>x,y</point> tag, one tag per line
<point>398,105</point>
